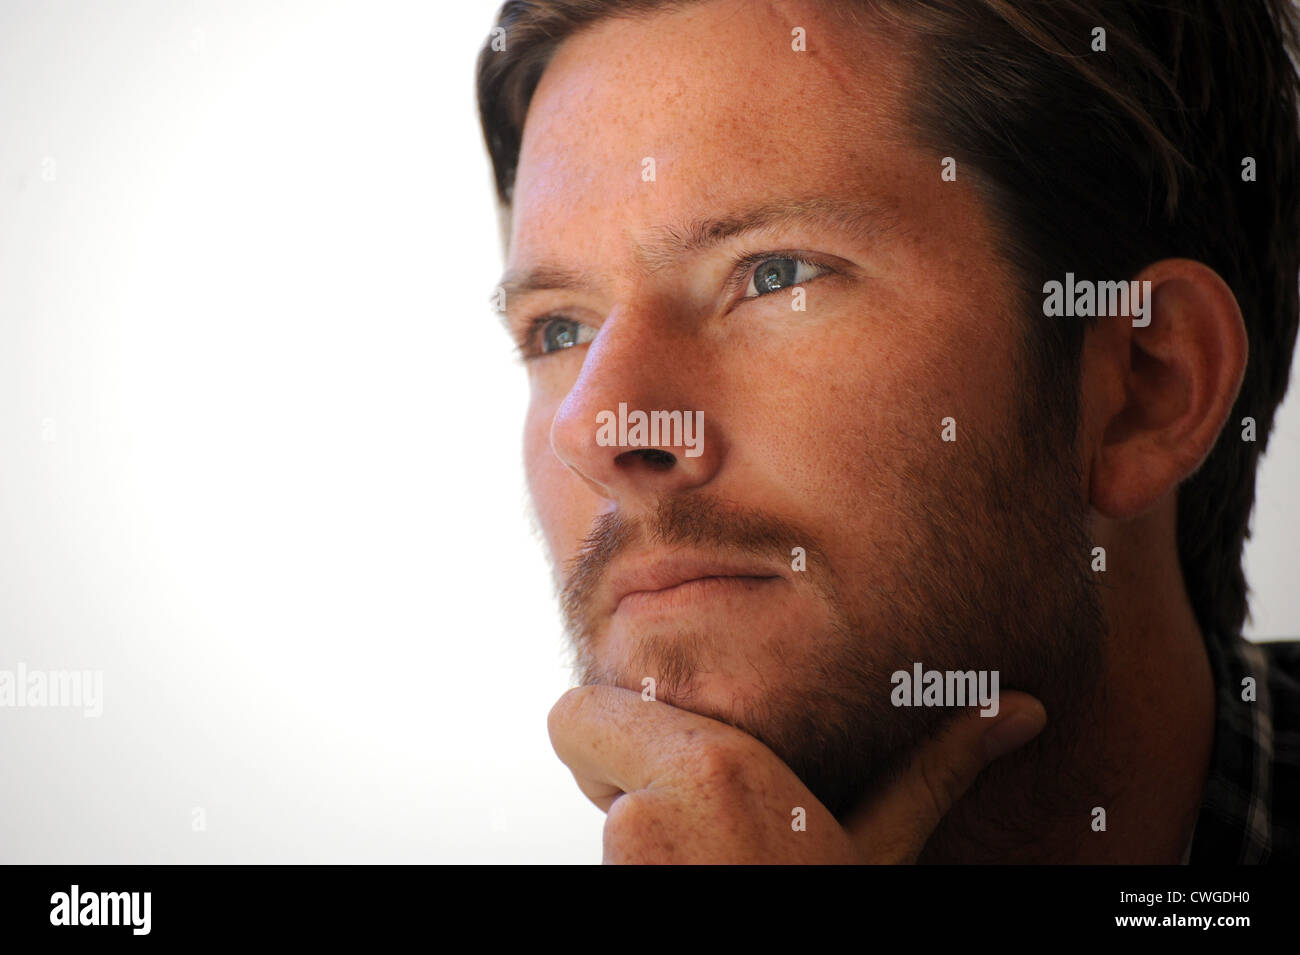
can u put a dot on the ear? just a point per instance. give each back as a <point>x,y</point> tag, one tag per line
<point>1157,395</point>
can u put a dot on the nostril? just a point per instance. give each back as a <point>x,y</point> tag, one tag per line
<point>654,458</point>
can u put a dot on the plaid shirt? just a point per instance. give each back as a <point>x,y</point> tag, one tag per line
<point>1250,812</point>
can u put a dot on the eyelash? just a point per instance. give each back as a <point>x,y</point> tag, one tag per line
<point>744,265</point>
<point>741,269</point>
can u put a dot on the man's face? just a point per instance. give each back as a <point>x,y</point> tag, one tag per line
<point>823,428</point>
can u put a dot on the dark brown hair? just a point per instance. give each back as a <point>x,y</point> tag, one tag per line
<point>1098,163</point>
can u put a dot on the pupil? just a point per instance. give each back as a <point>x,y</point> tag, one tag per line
<point>776,274</point>
<point>561,336</point>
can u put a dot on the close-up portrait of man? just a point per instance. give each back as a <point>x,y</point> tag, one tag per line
<point>898,373</point>
<point>685,433</point>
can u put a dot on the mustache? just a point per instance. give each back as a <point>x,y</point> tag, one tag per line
<point>695,520</point>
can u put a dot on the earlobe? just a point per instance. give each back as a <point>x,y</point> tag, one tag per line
<point>1181,368</point>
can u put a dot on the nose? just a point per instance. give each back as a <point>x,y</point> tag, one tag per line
<point>634,426</point>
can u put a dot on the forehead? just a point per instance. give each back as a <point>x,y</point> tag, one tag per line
<point>728,111</point>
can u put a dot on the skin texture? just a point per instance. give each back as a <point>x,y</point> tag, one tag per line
<point>822,430</point>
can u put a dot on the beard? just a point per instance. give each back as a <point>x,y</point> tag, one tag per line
<point>986,568</point>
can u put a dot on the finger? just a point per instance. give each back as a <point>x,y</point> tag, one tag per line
<point>901,820</point>
<point>614,741</point>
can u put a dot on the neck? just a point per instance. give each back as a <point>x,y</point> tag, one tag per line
<point>1141,754</point>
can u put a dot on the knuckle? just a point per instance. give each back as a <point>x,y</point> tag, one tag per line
<point>631,829</point>
<point>624,816</point>
<point>568,708</point>
<point>720,765</point>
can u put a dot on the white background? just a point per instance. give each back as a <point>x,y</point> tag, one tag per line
<point>260,447</point>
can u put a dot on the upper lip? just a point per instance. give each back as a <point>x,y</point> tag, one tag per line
<point>663,571</point>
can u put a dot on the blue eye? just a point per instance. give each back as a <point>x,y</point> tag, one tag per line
<point>559,333</point>
<point>778,272</point>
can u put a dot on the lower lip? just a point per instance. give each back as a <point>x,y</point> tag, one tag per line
<point>692,593</point>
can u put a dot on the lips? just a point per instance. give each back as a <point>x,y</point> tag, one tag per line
<point>665,577</point>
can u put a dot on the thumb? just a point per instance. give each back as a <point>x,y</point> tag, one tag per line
<point>895,826</point>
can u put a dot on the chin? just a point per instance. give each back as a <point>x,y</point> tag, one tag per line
<point>720,673</point>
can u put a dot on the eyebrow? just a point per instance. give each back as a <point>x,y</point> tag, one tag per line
<point>860,219</point>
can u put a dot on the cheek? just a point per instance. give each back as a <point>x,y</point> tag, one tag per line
<point>844,437</point>
<point>837,407</point>
<point>542,468</point>
<point>537,448</point>
<point>564,505</point>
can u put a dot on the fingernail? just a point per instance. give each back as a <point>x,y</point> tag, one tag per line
<point>1011,733</point>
